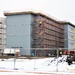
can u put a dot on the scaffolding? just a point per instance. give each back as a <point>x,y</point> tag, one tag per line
<point>47,34</point>
<point>2,35</point>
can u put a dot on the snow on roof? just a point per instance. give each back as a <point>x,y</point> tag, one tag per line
<point>34,12</point>
<point>9,13</point>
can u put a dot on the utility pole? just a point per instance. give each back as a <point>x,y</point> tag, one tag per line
<point>57,58</point>
<point>57,52</point>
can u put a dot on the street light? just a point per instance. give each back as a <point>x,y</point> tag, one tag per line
<point>57,58</point>
<point>14,59</point>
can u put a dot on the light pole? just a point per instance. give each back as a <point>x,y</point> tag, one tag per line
<point>14,58</point>
<point>35,61</point>
<point>57,53</point>
<point>57,58</point>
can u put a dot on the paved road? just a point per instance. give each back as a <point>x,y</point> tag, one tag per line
<point>15,73</point>
<point>36,73</point>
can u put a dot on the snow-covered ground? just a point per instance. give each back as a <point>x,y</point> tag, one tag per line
<point>39,66</point>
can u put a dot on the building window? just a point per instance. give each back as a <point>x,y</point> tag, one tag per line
<point>71,36</point>
<point>71,28</point>
<point>0,22</point>
<point>72,43</point>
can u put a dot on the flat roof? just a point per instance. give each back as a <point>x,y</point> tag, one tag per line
<point>30,12</point>
<point>36,13</point>
<point>65,23</point>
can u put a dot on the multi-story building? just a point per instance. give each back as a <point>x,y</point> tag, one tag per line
<point>69,36</point>
<point>2,34</point>
<point>31,29</point>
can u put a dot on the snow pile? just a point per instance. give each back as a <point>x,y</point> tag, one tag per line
<point>42,65</point>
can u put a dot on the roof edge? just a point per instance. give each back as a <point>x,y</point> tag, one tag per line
<point>65,22</point>
<point>36,13</point>
<point>30,12</point>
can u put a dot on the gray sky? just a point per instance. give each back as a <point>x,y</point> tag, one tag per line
<point>60,9</point>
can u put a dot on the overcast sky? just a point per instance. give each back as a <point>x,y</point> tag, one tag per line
<point>60,9</point>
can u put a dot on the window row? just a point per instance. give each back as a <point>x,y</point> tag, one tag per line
<point>49,37</point>
<point>1,27</point>
<point>53,46</point>
<point>54,28</point>
<point>60,43</point>
<point>49,42</point>
<point>59,30</point>
<point>59,39</point>
<point>71,28</point>
<point>2,46</point>
<point>49,26</point>
<point>54,37</point>
<point>71,36</point>
<point>59,34</point>
<point>49,31</point>
<point>53,33</point>
<point>3,43</point>
<point>48,21</point>
<point>54,24</point>
<point>2,36</point>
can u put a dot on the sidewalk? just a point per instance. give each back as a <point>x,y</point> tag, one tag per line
<point>18,72</point>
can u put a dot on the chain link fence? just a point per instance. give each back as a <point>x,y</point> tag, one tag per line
<point>39,59</point>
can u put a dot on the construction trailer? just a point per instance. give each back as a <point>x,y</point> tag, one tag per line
<point>11,51</point>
